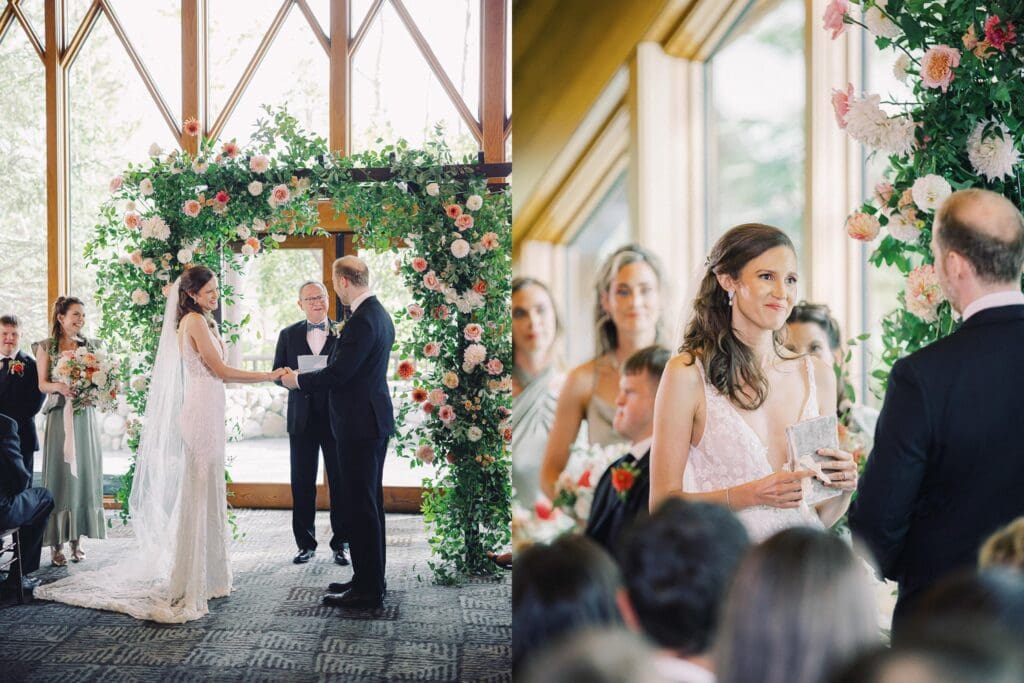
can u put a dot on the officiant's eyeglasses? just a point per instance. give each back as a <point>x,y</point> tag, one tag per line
<point>314,299</point>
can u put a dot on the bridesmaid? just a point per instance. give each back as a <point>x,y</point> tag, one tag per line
<point>628,318</point>
<point>78,500</point>
<point>535,382</point>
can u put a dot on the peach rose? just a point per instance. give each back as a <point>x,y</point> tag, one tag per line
<point>140,297</point>
<point>473,332</point>
<point>450,380</point>
<point>437,397</point>
<point>447,414</point>
<point>453,210</point>
<point>489,240</point>
<point>494,366</point>
<point>415,311</point>
<point>440,312</point>
<point>419,264</point>
<point>431,282</point>
<point>464,222</point>
<point>253,243</point>
<point>937,66</point>
<point>841,104</point>
<point>432,349</point>
<point>425,454</point>
<point>132,220</point>
<point>280,194</point>
<point>136,257</point>
<point>862,226</point>
<point>115,183</point>
<point>148,267</point>
<point>460,248</point>
<point>191,208</point>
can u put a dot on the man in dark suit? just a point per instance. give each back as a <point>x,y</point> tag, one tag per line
<point>20,505</point>
<point>621,494</point>
<point>20,397</point>
<point>309,426</point>
<point>947,468</point>
<point>363,421</point>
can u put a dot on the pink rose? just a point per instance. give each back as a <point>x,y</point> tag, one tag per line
<point>430,281</point>
<point>841,104</point>
<point>494,366</point>
<point>230,150</point>
<point>425,454</point>
<point>132,220</point>
<point>259,164</point>
<point>453,210</point>
<point>999,36</point>
<point>883,193</point>
<point>415,311</point>
<point>440,312</point>
<point>192,208</point>
<point>937,66</point>
<point>489,240</point>
<point>835,12</point>
<point>432,349</point>
<point>148,267</point>
<point>862,226</point>
<point>280,194</point>
<point>253,244</point>
<point>115,183</point>
<point>464,222</point>
<point>473,332</point>
<point>437,397</point>
<point>447,414</point>
<point>419,264</point>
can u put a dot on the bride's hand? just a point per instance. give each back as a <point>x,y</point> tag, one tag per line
<point>278,374</point>
<point>778,490</point>
<point>841,469</point>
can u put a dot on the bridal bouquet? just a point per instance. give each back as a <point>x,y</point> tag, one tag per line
<point>92,375</point>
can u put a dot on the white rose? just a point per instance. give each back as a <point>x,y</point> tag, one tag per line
<point>242,231</point>
<point>929,191</point>
<point>255,188</point>
<point>474,202</point>
<point>155,150</point>
<point>140,297</point>
<point>460,248</point>
<point>146,187</point>
<point>184,255</point>
<point>899,69</point>
<point>474,433</point>
<point>248,250</point>
<point>99,378</point>
<point>879,24</point>
<point>139,382</point>
<point>433,190</point>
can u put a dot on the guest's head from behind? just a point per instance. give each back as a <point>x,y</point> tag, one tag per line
<point>991,599</point>
<point>313,300</point>
<point>799,606</point>
<point>811,329</point>
<point>599,655</point>
<point>10,334</point>
<point>1004,548</point>
<point>559,589</point>
<point>198,292</point>
<point>678,564</point>
<point>351,278</point>
<point>978,245</point>
<point>629,288</point>
<point>535,322</point>
<point>638,387</point>
<point>747,291</point>
<point>67,318</point>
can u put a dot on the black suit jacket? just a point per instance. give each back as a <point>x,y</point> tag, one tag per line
<point>947,468</point>
<point>609,515</point>
<point>14,478</point>
<point>21,399</point>
<point>357,375</point>
<point>291,344</point>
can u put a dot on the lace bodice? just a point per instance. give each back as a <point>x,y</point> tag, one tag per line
<point>195,366</point>
<point>731,453</point>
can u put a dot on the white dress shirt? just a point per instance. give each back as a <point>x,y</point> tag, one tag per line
<point>360,299</point>
<point>317,338</point>
<point>994,300</point>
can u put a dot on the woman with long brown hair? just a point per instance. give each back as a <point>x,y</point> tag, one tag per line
<point>628,318</point>
<point>725,401</point>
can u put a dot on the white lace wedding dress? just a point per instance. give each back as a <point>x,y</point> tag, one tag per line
<point>731,453</point>
<point>178,503</point>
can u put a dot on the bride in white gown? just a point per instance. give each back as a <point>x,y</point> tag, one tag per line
<point>178,500</point>
<point>725,401</point>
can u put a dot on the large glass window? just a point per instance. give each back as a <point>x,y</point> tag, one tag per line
<point>757,137</point>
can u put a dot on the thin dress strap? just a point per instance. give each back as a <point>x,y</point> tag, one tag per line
<point>812,387</point>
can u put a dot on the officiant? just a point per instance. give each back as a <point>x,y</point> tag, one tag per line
<point>305,346</point>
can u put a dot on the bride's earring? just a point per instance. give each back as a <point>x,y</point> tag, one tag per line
<point>732,296</point>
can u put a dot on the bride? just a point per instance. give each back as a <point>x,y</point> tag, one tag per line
<point>178,500</point>
<point>725,401</point>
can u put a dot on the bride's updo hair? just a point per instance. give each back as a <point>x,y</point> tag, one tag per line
<point>192,280</point>
<point>729,363</point>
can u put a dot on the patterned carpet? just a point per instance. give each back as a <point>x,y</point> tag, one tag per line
<point>273,627</point>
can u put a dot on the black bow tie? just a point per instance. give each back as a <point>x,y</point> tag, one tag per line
<point>322,326</point>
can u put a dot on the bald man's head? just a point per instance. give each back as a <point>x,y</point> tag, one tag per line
<point>986,229</point>
<point>353,269</point>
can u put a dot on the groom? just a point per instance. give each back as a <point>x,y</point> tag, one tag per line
<point>363,421</point>
<point>947,468</point>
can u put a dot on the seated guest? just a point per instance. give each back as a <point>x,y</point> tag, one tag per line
<point>20,505</point>
<point>1004,548</point>
<point>622,493</point>
<point>596,656</point>
<point>677,565</point>
<point>799,606</point>
<point>991,599</point>
<point>559,589</point>
<point>20,398</point>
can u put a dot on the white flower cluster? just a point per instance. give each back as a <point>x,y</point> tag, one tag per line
<point>868,124</point>
<point>994,155</point>
<point>466,302</point>
<point>155,228</point>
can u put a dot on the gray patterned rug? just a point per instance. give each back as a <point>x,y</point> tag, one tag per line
<point>273,627</point>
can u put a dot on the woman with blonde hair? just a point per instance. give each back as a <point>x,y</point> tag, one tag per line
<point>628,318</point>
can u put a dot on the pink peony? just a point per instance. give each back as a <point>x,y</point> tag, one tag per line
<point>841,104</point>
<point>464,222</point>
<point>437,397</point>
<point>192,208</point>
<point>494,366</point>
<point>490,240</point>
<point>447,414</point>
<point>259,164</point>
<point>132,220</point>
<point>473,332</point>
<point>474,355</point>
<point>419,264</point>
<point>425,454</point>
<point>937,66</point>
<point>415,311</point>
<point>432,349</point>
<point>834,15</point>
<point>999,36</point>
<point>862,226</point>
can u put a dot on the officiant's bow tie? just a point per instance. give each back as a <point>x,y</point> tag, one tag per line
<point>322,326</point>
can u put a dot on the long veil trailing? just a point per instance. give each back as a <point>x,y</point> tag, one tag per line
<point>139,582</point>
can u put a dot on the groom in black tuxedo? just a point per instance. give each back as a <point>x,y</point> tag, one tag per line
<point>309,426</point>
<point>947,468</point>
<point>363,421</point>
<point>20,398</point>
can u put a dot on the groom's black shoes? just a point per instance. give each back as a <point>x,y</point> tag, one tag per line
<point>304,556</point>
<point>339,557</point>
<point>345,585</point>
<point>354,599</point>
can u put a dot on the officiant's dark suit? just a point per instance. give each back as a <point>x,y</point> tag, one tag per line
<point>20,399</point>
<point>21,505</point>
<point>363,421</point>
<point>947,467</point>
<point>309,434</point>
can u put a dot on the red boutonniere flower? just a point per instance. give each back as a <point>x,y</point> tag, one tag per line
<point>623,478</point>
<point>17,368</point>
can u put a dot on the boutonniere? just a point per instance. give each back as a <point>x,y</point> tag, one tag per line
<point>623,478</point>
<point>337,327</point>
<point>17,368</point>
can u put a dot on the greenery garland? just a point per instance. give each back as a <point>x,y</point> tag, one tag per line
<point>179,210</point>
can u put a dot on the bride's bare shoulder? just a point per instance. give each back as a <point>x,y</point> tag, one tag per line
<point>682,369</point>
